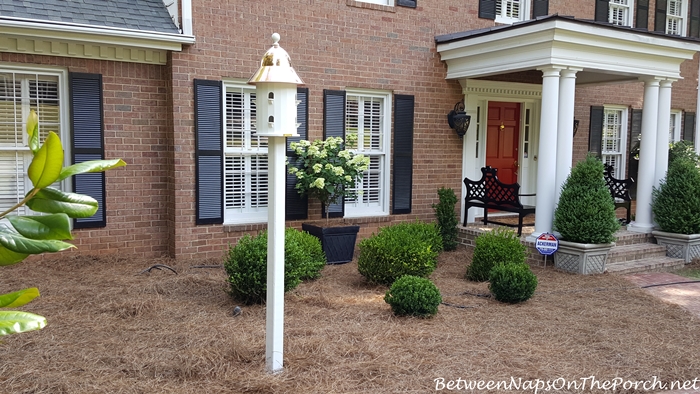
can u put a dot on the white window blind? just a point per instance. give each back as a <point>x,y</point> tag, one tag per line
<point>245,160</point>
<point>619,12</point>
<point>613,142</point>
<point>367,116</point>
<point>675,17</point>
<point>509,9</point>
<point>20,92</point>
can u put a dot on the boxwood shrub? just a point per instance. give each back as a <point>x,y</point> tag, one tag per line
<point>676,203</point>
<point>413,296</point>
<point>512,283</point>
<point>246,264</point>
<point>499,246</point>
<point>398,250</point>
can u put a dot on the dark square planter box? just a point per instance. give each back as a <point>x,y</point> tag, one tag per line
<point>338,242</point>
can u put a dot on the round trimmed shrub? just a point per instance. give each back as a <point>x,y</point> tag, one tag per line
<point>499,246</point>
<point>512,283</point>
<point>586,210</point>
<point>246,264</point>
<point>398,250</point>
<point>676,203</point>
<point>413,296</point>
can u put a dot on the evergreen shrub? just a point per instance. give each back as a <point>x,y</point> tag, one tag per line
<point>676,203</point>
<point>586,210</point>
<point>499,246</point>
<point>413,296</point>
<point>398,250</point>
<point>512,283</point>
<point>446,218</point>
<point>246,264</point>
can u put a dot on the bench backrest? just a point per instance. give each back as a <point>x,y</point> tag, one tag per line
<point>490,190</point>
<point>619,188</point>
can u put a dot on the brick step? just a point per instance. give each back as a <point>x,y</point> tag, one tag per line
<point>654,264</point>
<point>624,237</point>
<point>631,252</point>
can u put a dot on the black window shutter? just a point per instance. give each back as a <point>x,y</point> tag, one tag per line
<point>694,19</point>
<point>540,8</point>
<point>209,151</point>
<point>689,127</point>
<point>635,130</point>
<point>407,3</point>
<point>487,9</point>
<point>601,10</point>
<point>334,126</point>
<point>660,16</point>
<point>403,154</point>
<point>595,135</point>
<point>642,21</point>
<point>87,141</point>
<point>296,206</point>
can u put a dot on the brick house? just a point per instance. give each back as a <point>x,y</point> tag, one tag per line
<point>162,84</point>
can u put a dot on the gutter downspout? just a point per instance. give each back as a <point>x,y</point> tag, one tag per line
<point>696,143</point>
<point>187,17</point>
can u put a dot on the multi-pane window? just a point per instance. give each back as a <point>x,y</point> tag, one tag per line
<point>614,141</point>
<point>509,11</point>
<point>674,127</point>
<point>21,92</point>
<point>619,12</point>
<point>245,159</point>
<point>675,17</point>
<point>368,116</point>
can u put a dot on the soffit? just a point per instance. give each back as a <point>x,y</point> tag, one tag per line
<point>603,53</point>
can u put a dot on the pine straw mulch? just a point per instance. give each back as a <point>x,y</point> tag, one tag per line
<point>113,330</point>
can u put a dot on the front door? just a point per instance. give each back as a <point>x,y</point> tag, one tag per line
<point>502,139</point>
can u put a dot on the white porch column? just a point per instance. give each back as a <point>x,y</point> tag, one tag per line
<point>565,135</point>
<point>662,129</point>
<point>647,158</point>
<point>547,160</point>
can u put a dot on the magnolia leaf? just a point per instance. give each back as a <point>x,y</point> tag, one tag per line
<point>54,226</point>
<point>12,322</point>
<point>8,257</point>
<point>18,298</point>
<point>20,244</point>
<point>33,131</point>
<point>90,166</point>
<point>51,200</point>
<point>47,162</point>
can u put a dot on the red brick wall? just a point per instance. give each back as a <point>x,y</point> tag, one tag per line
<point>136,129</point>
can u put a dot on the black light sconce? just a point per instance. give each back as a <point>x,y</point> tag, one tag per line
<point>459,120</point>
<point>575,126</point>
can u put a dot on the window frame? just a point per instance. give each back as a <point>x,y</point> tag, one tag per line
<point>246,214</point>
<point>523,14</point>
<point>629,22</point>
<point>388,3</point>
<point>683,18</point>
<point>64,133</point>
<point>619,171</point>
<point>381,208</point>
<point>674,132</point>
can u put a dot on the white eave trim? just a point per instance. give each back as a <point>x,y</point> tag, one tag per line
<point>89,33</point>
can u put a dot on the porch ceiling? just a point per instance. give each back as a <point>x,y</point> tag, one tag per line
<point>604,53</point>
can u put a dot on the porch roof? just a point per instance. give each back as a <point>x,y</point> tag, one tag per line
<point>604,53</point>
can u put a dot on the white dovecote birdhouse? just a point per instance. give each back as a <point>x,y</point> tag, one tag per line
<point>276,93</point>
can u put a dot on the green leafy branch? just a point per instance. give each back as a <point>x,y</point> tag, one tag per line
<point>36,234</point>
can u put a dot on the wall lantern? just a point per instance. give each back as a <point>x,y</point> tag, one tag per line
<point>575,126</point>
<point>459,120</point>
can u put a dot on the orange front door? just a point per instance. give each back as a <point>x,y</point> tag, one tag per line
<point>502,140</point>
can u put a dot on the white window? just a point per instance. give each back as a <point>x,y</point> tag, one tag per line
<point>674,129</point>
<point>21,91</point>
<point>675,17</point>
<point>381,2</point>
<point>368,114</point>
<point>620,12</point>
<point>614,141</point>
<point>509,11</point>
<point>245,158</point>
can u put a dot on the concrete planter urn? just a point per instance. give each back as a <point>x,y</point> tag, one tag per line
<point>679,246</point>
<point>580,258</point>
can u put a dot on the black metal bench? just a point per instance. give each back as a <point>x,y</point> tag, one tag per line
<point>490,193</point>
<point>620,191</point>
